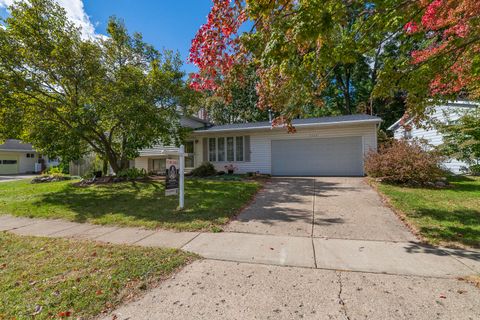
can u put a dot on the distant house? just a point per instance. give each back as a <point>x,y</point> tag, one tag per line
<point>17,157</point>
<point>328,146</point>
<point>448,112</point>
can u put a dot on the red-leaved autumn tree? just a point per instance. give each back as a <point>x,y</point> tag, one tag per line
<point>215,45</point>
<point>303,52</point>
<point>306,51</point>
<point>451,35</point>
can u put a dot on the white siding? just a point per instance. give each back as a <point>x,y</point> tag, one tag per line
<point>141,163</point>
<point>26,165</point>
<point>427,132</point>
<point>162,150</point>
<point>260,143</point>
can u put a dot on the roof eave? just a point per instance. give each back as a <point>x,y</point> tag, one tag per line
<point>17,150</point>
<point>336,123</point>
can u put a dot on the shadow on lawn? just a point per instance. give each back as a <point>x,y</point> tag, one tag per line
<point>462,226</point>
<point>205,201</point>
<point>415,248</point>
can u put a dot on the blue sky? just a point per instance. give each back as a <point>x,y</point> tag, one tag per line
<point>169,24</point>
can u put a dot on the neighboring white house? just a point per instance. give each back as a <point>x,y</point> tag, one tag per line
<point>448,112</point>
<point>328,146</point>
<point>17,157</point>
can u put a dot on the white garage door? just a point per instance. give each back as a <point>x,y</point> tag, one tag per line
<point>318,157</point>
<point>8,164</point>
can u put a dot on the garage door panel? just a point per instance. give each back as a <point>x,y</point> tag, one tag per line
<point>318,157</point>
<point>8,164</point>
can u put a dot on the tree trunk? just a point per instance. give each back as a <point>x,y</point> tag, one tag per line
<point>348,98</point>
<point>344,86</point>
<point>112,160</point>
<point>105,166</point>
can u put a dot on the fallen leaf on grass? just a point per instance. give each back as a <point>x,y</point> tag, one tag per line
<point>64,314</point>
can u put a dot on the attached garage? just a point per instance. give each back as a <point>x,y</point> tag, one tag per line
<point>327,146</point>
<point>8,164</point>
<point>342,156</point>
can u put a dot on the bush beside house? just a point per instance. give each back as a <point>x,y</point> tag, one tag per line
<point>405,162</point>
<point>206,169</point>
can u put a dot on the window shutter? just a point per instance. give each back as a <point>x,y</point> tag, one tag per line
<point>205,149</point>
<point>247,148</point>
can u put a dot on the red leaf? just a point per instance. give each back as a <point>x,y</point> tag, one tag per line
<point>64,314</point>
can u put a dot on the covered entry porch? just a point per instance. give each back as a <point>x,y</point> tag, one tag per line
<point>153,161</point>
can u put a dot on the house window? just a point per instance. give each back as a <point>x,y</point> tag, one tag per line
<point>407,134</point>
<point>221,149</point>
<point>30,155</point>
<point>239,148</point>
<point>189,154</point>
<point>212,150</point>
<point>226,149</point>
<point>9,161</point>
<point>230,149</point>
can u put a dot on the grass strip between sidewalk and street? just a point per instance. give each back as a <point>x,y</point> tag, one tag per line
<point>46,278</point>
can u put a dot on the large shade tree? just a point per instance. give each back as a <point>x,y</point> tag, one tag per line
<point>236,104</point>
<point>70,96</point>
<point>443,61</point>
<point>306,53</point>
<point>355,55</point>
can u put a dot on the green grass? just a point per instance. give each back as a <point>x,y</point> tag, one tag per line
<point>50,278</point>
<point>442,216</point>
<point>208,204</point>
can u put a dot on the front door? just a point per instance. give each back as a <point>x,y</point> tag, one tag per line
<point>158,166</point>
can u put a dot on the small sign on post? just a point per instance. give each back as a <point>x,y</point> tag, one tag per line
<point>171,177</point>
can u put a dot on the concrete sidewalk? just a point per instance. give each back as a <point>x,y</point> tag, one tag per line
<point>210,289</point>
<point>398,258</point>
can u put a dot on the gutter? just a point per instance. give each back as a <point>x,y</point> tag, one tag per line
<point>298,125</point>
<point>16,150</point>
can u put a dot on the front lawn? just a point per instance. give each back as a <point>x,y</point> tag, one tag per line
<point>442,216</point>
<point>209,204</point>
<point>54,278</point>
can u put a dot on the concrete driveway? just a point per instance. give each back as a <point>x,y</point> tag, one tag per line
<point>15,177</point>
<point>327,207</point>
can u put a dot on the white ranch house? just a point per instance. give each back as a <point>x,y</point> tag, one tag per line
<point>17,157</point>
<point>328,146</point>
<point>448,112</point>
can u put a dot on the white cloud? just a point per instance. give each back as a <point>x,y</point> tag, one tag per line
<point>75,12</point>
<point>5,3</point>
